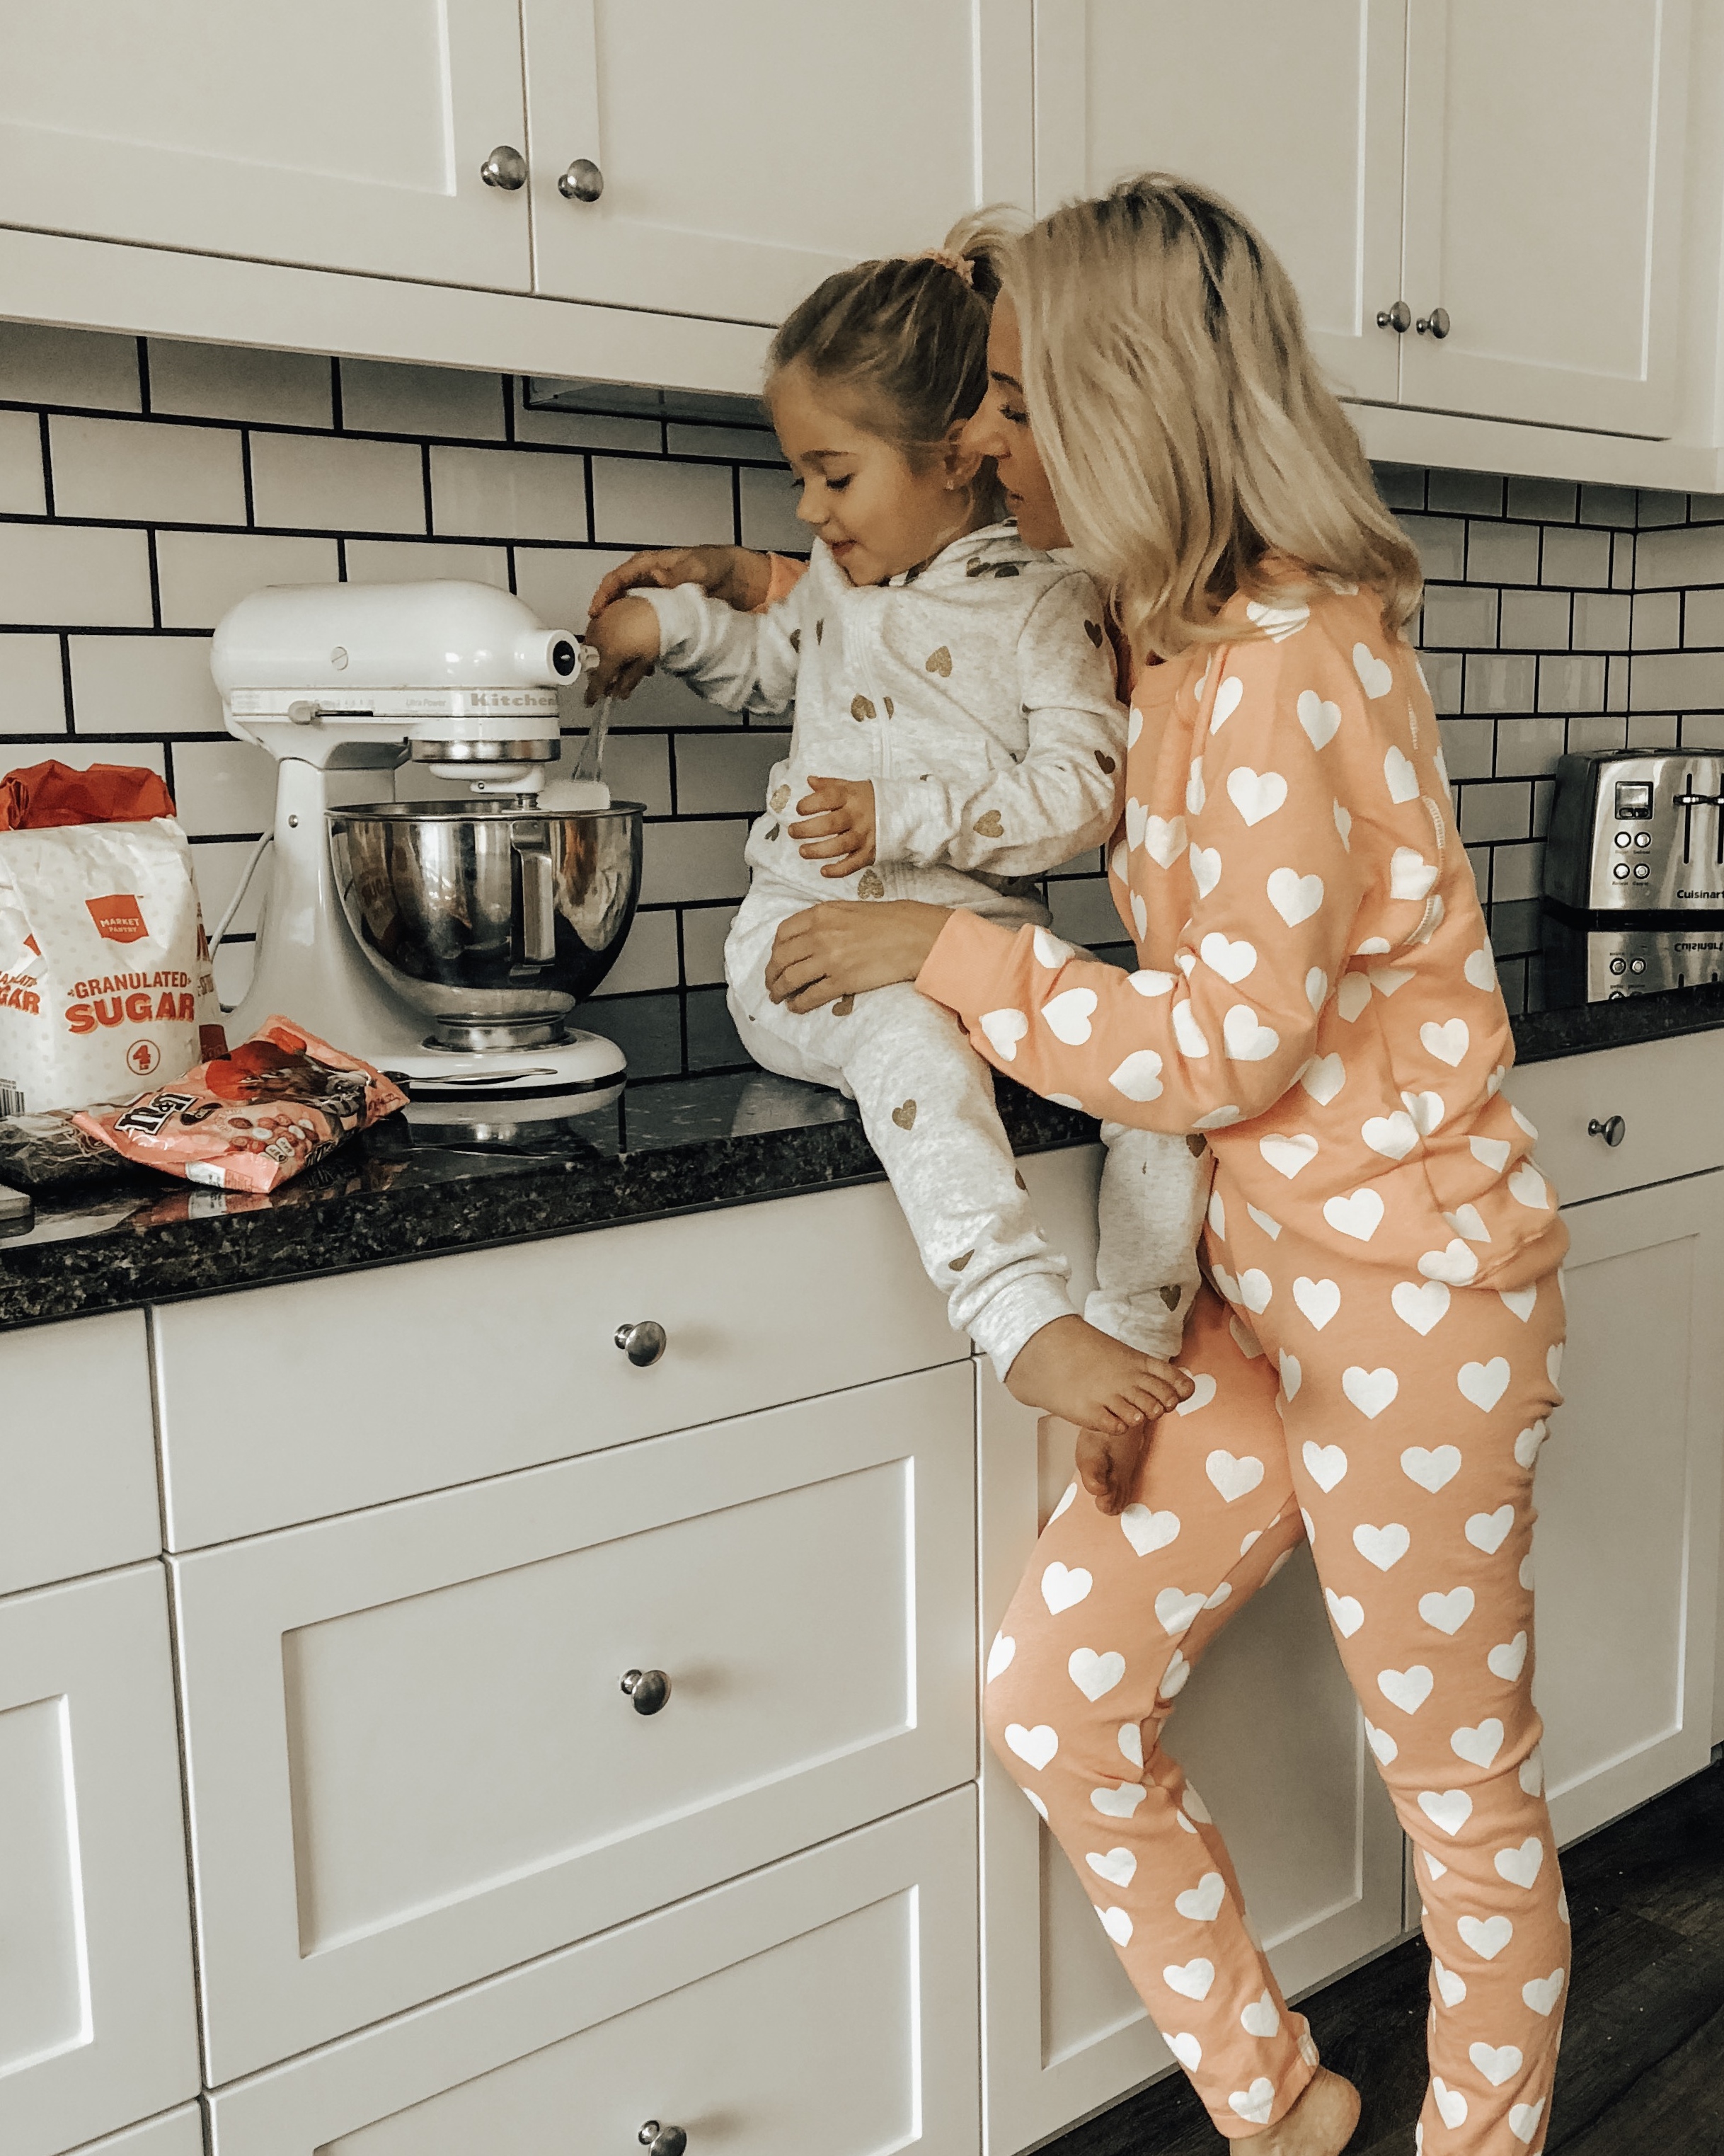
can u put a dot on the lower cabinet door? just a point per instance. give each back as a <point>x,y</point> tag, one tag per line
<point>96,2017</point>
<point>174,2134</point>
<point>412,1760</point>
<point>1627,1547</point>
<point>1267,1728</point>
<point>827,2004</point>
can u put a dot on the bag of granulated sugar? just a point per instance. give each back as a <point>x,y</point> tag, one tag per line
<point>105,973</point>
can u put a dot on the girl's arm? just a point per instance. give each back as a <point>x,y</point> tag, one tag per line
<point>744,662</point>
<point>1273,925</point>
<point>1063,796</point>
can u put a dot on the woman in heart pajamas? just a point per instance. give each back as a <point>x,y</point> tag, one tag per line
<point>1377,1354</point>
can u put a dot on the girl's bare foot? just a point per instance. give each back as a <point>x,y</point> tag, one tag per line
<point>1320,2124</point>
<point>1069,1368</point>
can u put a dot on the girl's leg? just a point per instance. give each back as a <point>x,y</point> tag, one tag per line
<point>1414,1413</point>
<point>1101,1637</point>
<point>1154,1188</point>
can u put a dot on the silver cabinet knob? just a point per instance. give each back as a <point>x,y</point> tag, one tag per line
<point>582,181</point>
<point>1436,321</point>
<point>643,1342</point>
<point>663,2140</point>
<point>649,1689</point>
<point>505,168</point>
<point>1398,318</point>
<point>1613,1130</point>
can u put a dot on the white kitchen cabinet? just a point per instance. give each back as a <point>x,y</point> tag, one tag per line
<point>374,1385</point>
<point>1627,1544</point>
<point>747,152</point>
<point>174,2134</point>
<point>1539,206</point>
<point>825,2004</point>
<point>1543,208</point>
<point>1268,1731</point>
<point>411,1759</point>
<point>347,137</point>
<point>77,1450</point>
<point>1293,113</point>
<point>96,2018</point>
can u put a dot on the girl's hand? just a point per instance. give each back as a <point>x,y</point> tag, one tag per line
<point>626,638</point>
<point>839,814</point>
<point>734,575</point>
<point>848,945</point>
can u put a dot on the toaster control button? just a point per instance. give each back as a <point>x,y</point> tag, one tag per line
<point>1641,871</point>
<point>1618,965</point>
<point>1637,965</point>
<point>1624,838</point>
<point>1643,837</point>
<point>1621,871</point>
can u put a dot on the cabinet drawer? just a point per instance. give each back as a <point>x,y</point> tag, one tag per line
<point>412,1761</point>
<point>1669,1093</point>
<point>96,2021</point>
<point>294,1403</point>
<point>826,2004</point>
<point>77,1450</point>
<point>175,2133</point>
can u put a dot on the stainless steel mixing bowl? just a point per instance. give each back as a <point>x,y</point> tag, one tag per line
<point>487,911</point>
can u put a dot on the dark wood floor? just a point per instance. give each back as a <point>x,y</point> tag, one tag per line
<point>1643,2048</point>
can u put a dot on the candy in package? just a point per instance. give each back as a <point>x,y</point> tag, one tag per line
<point>250,1119</point>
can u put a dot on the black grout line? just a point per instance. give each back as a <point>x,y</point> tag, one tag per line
<point>66,683</point>
<point>144,378</point>
<point>155,580</point>
<point>425,480</point>
<point>335,397</point>
<point>46,469</point>
<point>245,475</point>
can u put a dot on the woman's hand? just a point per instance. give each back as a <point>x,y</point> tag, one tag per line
<point>734,575</point>
<point>626,638</point>
<point>839,824</point>
<point>847,946</point>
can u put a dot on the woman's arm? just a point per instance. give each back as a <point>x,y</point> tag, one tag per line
<point>736,576</point>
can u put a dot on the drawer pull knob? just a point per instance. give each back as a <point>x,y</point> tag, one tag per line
<point>649,1689</point>
<point>663,2140</point>
<point>505,168</point>
<point>1613,1130</point>
<point>582,181</point>
<point>643,1342</point>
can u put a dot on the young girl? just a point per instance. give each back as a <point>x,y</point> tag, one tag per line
<point>957,734</point>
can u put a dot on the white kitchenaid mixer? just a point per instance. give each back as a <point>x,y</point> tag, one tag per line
<point>446,941</point>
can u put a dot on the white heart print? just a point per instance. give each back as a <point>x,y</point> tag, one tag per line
<point>1323,1078</point>
<point>1360,1214</point>
<point>1448,1808</point>
<point>1456,1265</point>
<point>1370,1391</point>
<point>1272,1228</point>
<point>1376,675</point>
<point>1447,1613</point>
<point>1255,2103</point>
<point>1294,897</point>
<point>1447,1042</point>
<point>1191,1979</point>
<point>1118,1803</point>
<point>1484,1384</point>
<point>1261,2018</point>
<point>1139,1077</point>
<point>1067,1500</point>
<point>1451,1987</point>
<point>1173,1677</point>
<point>1343,825</point>
<point>1117,1925</point>
<point>1255,794</point>
<point>1486,1937</point>
<point>1287,1154</point>
<point>1480,968</point>
<point>1176,1610</point>
<point>1063,1588</point>
<point>1423,1306</point>
<point>1035,1747</point>
<point>1497,2064</point>
<point>1488,1531</point>
<point>1164,840</point>
<point>1519,1301</point>
<point>1401,778</point>
<point>1117,1866</point>
<point>1256,1290</point>
<point>1478,1745</point>
<point>1382,1744</point>
<point>1408,1689</point>
<point>1188,1034</point>
<point>1196,793</point>
<point>1507,1660</point>
<point>1203,1391</point>
<point>1318,1300</point>
<point>1131,1741</point>
<point>1000,1654</point>
<point>1277,622</point>
<point>1319,719</point>
<point>1490,1153</point>
<point>1523,2119</point>
<point>1316,987</point>
<point>1348,1613</point>
<point>1544,1992</point>
<point>1382,1546</point>
<point>1527,1444</point>
<point>1245,1039</point>
<point>1004,1030</point>
<point>1137,815</point>
<point>1200,1904</point>
<point>1186,2048</point>
<point>1205,864</point>
<point>1530,1773</point>
<point>1394,1135</point>
<point>1227,702</point>
<point>1095,1675</point>
<point>1232,961</point>
<point>1521,1866</point>
<point>1352,996</point>
<point>1431,1471</point>
<point>1325,1464</point>
<point>1234,1478</point>
<point>1410,875</point>
<point>1452,2104</point>
<point>1147,1532</point>
<point>1067,1016</point>
<point>1140,915</point>
<point>1134,727</point>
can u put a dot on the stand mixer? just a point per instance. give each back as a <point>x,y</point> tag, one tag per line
<point>446,941</point>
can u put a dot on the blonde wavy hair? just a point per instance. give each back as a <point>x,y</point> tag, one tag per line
<point>1185,429</point>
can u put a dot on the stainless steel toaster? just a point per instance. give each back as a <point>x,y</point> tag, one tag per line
<point>1637,831</point>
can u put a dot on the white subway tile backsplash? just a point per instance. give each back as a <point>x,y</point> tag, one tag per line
<point>1579,558</point>
<point>223,787</point>
<point>327,482</point>
<point>1656,508</point>
<point>1464,493</point>
<point>1537,621</point>
<point>143,684</point>
<point>704,931</point>
<point>75,576</point>
<point>1441,541</point>
<point>1457,620</point>
<point>1501,553</point>
<point>1600,730</point>
<point>33,698</point>
<point>1543,500</point>
<point>145,473</point>
<point>1469,747</point>
<point>216,867</point>
<point>382,396</point>
<point>1601,619</point>
<point>509,493</point>
<point>1703,617</point>
<point>586,430</point>
<point>202,574</point>
<point>82,369</point>
<point>1517,872</point>
<point>558,582</point>
<point>23,490</point>
<point>411,561</point>
<point>224,382</point>
<point>1443,673</point>
<point>1494,811</point>
<point>636,767</point>
<point>1501,683</point>
<point>639,503</point>
<point>1703,730</point>
<point>1608,505</point>
<point>739,444</point>
<point>1657,621</point>
<point>1678,681</point>
<point>716,773</point>
<point>769,517</point>
<point>1570,682</point>
<point>1527,748</point>
<point>693,859</point>
<point>648,959</point>
<point>1686,554</point>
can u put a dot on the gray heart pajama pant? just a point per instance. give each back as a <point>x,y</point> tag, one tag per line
<point>1394,1423</point>
<point>927,1104</point>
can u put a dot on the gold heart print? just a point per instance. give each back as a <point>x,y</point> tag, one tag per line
<point>990,826</point>
<point>890,712</point>
<point>796,639</point>
<point>1107,762</point>
<point>1195,1145</point>
<point>860,708</point>
<point>1092,629</point>
<point>939,662</point>
<point>1170,1296</point>
<point>820,632</point>
<point>780,800</point>
<point>870,885</point>
<point>773,833</point>
<point>904,1115</point>
<point>843,1007</point>
<point>958,1263</point>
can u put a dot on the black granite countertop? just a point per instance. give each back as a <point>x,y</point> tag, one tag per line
<point>676,1146</point>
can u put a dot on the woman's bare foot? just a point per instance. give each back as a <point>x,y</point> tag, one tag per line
<point>1320,2124</point>
<point>1069,1368</point>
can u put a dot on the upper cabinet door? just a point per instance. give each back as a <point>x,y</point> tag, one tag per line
<point>745,153</point>
<point>346,137</point>
<point>1544,179</point>
<point>1293,113</point>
